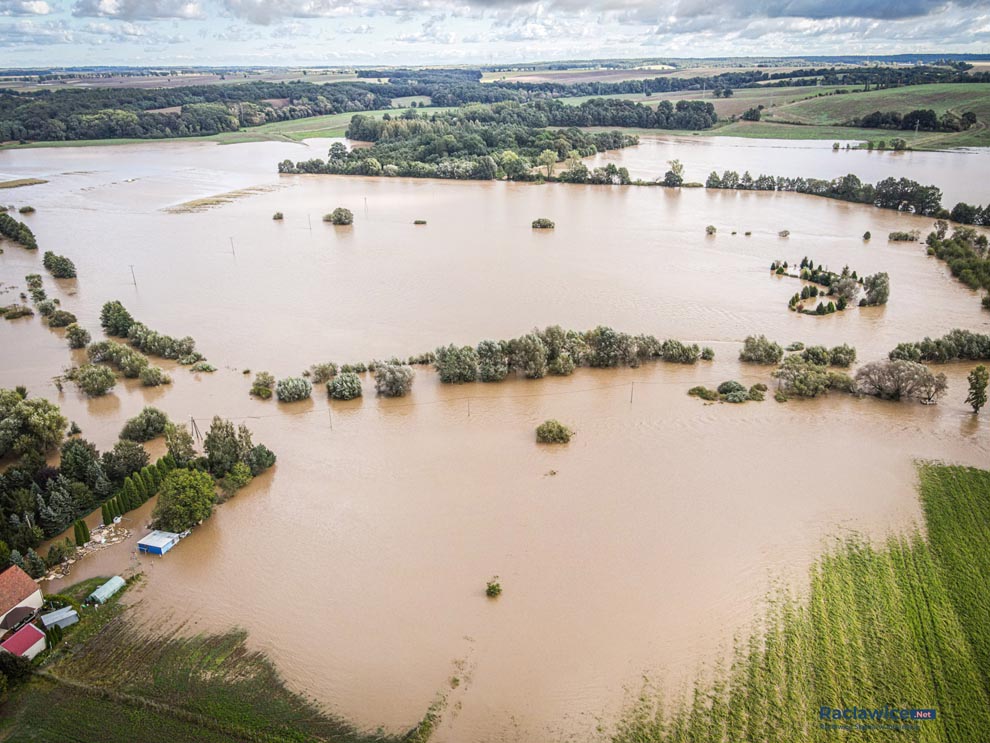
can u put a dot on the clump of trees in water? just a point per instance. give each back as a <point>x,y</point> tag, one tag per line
<point>456,146</point>
<point>553,432</point>
<point>17,231</point>
<point>77,335</point>
<point>558,352</point>
<point>955,345</point>
<point>800,376</point>
<point>543,223</point>
<point>263,385</point>
<point>966,254</point>
<point>758,349</point>
<point>117,321</point>
<point>730,391</point>
<point>145,426</point>
<point>844,286</point>
<point>900,380</point>
<point>128,361</point>
<point>230,460</point>
<point>59,266</point>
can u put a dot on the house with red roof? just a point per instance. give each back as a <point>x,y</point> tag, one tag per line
<point>28,641</point>
<point>17,592</point>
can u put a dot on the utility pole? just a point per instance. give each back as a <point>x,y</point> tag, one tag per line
<point>366,206</point>
<point>194,429</point>
<point>309,218</point>
<point>330,412</point>
<point>133,277</point>
<point>632,388</point>
<point>232,248</point>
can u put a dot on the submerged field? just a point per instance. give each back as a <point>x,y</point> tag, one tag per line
<point>904,625</point>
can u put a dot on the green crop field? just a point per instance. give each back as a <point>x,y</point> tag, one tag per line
<point>903,625</point>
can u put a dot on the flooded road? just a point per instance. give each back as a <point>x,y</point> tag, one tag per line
<point>359,562</point>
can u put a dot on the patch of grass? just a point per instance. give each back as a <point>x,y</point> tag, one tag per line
<point>905,625</point>
<point>18,182</point>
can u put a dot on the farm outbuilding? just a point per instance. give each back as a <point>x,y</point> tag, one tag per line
<point>158,542</point>
<point>64,617</point>
<point>17,590</point>
<point>102,594</point>
<point>27,642</point>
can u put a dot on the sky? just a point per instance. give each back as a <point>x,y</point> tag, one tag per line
<point>394,32</point>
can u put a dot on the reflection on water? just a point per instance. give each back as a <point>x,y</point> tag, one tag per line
<point>372,538</point>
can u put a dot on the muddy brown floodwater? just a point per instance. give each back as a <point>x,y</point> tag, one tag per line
<point>359,563</point>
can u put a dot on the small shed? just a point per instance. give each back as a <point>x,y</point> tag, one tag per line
<point>27,642</point>
<point>158,542</point>
<point>108,589</point>
<point>64,617</point>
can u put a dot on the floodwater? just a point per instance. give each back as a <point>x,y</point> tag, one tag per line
<point>359,563</point>
<point>959,173</point>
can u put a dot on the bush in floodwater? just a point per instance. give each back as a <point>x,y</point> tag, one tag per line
<point>784,233</point>
<point>115,319</point>
<point>493,361</point>
<point>737,396</point>
<point>543,224</point>
<point>61,319</point>
<point>263,384</point>
<point>322,373</point>
<point>77,335</point>
<point>844,355</point>
<point>729,387</point>
<point>758,350</point>
<point>679,353</point>
<point>710,229</point>
<point>704,393</point>
<point>419,221</point>
<point>707,353</point>
<point>391,379</point>
<point>802,378</point>
<point>13,311</point>
<point>816,355</point>
<point>202,366</point>
<point>292,389</point>
<point>493,589</point>
<point>553,432</point>
<point>277,216</point>
<point>153,376</point>
<point>898,237</point>
<point>33,280</point>
<point>344,386</point>
<point>59,266</point>
<point>146,425</point>
<point>757,392</point>
<point>93,379</point>
<point>46,307</point>
<point>867,236</point>
<point>339,216</point>
<point>562,366</point>
<point>457,365</point>
<point>26,209</point>
<point>795,346</point>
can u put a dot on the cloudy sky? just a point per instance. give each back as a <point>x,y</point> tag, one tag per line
<point>368,32</point>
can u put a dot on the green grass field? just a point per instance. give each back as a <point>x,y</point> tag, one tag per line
<point>904,625</point>
<point>955,97</point>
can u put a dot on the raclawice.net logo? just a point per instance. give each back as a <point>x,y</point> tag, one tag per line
<point>873,718</point>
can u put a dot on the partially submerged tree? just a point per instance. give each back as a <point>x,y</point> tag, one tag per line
<point>900,380</point>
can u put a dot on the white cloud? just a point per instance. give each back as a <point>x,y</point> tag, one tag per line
<point>24,7</point>
<point>138,9</point>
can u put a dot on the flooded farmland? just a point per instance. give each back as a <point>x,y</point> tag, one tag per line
<point>358,564</point>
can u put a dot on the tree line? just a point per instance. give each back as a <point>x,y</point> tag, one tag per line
<point>450,146</point>
<point>925,120</point>
<point>901,194</point>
